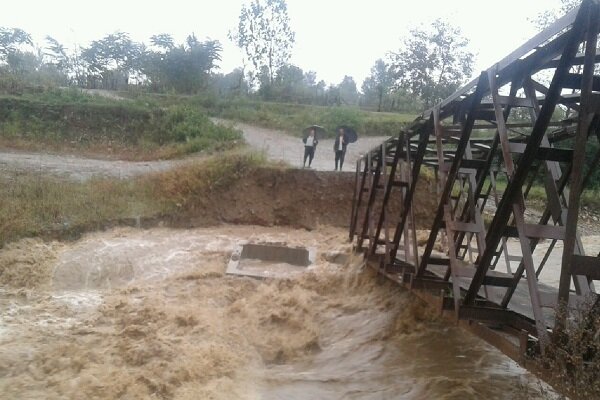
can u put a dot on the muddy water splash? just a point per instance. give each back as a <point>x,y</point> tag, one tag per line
<point>134,314</point>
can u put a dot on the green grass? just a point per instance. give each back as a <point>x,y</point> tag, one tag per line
<point>147,126</point>
<point>291,118</point>
<point>537,196</point>
<point>32,205</point>
<point>36,205</point>
<point>59,119</point>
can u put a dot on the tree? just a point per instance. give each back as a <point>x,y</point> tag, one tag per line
<point>113,58</point>
<point>310,78</point>
<point>56,56</point>
<point>348,94</point>
<point>57,66</point>
<point>546,18</point>
<point>232,83</point>
<point>184,68</point>
<point>24,62</point>
<point>320,93</point>
<point>265,36</point>
<point>11,40</point>
<point>432,63</point>
<point>12,44</point>
<point>163,41</point>
<point>289,83</point>
<point>378,85</point>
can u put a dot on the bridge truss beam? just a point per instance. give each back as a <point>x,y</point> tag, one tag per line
<point>488,145</point>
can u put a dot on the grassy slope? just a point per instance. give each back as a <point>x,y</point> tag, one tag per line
<point>148,126</point>
<point>32,205</point>
<point>70,120</point>
<point>291,118</point>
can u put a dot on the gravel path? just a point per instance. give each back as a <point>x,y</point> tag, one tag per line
<point>277,145</point>
<point>79,168</point>
<point>281,147</point>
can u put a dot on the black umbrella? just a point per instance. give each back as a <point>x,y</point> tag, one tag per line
<point>349,133</point>
<point>319,131</point>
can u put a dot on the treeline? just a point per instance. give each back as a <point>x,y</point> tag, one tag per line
<point>113,62</point>
<point>429,65</point>
<point>116,62</point>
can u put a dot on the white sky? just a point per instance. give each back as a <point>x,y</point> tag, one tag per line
<point>333,37</point>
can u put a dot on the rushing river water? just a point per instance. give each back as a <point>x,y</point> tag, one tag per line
<point>135,314</point>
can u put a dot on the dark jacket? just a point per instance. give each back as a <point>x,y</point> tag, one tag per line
<point>336,144</point>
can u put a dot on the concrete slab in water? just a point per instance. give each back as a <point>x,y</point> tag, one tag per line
<point>269,260</point>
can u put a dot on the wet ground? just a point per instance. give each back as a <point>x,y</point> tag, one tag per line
<point>550,274</point>
<point>79,168</point>
<point>135,314</point>
<point>289,149</point>
<point>277,146</point>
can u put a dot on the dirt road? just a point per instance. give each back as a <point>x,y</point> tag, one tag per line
<point>79,168</point>
<point>281,147</point>
<point>277,145</point>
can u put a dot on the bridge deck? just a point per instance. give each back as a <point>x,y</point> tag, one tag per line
<point>520,301</point>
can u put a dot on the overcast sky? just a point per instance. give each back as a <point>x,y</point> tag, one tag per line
<point>333,37</point>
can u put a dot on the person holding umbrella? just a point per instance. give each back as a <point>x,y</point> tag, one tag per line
<point>346,135</point>
<point>310,143</point>
<point>339,148</point>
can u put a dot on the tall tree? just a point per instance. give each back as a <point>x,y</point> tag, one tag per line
<point>56,54</point>
<point>265,36</point>
<point>184,68</point>
<point>232,83</point>
<point>432,63</point>
<point>11,40</point>
<point>379,83</point>
<point>289,83</point>
<point>57,65</point>
<point>114,57</point>
<point>348,93</point>
<point>163,41</point>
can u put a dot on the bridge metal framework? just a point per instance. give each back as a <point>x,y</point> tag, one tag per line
<point>488,144</point>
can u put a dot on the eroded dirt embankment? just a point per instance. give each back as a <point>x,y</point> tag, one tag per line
<point>268,197</point>
<point>296,198</point>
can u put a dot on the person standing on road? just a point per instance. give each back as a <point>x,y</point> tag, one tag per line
<point>310,143</point>
<point>339,148</point>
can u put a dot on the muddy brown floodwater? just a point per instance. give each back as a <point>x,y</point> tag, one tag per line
<point>136,314</point>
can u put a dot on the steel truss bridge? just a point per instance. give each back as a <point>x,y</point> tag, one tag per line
<point>526,120</point>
